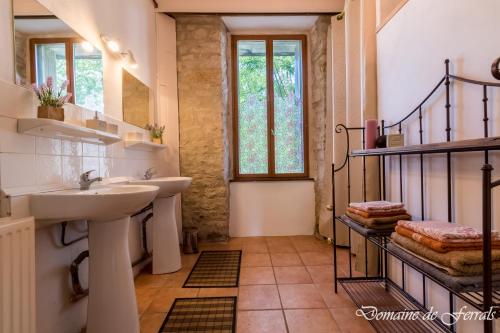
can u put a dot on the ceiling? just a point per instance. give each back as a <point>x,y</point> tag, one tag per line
<point>253,6</point>
<point>269,23</point>
<point>37,26</point>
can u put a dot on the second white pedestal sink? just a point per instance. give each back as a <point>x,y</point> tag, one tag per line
<point>112,305</point>
<point>166,251</point>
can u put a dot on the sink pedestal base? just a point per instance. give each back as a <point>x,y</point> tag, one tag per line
<point>166,251</point>
<point>112,305</point>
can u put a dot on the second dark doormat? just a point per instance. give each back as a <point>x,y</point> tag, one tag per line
<point>202,315</point>
<point>215,269</point>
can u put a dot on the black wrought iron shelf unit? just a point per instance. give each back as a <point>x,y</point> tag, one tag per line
<point>380,290</point>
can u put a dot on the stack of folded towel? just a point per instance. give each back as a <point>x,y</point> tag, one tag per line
<point>377,214</point>
<point>450,247</point>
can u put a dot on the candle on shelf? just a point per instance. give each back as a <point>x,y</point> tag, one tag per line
<point>370,133</point>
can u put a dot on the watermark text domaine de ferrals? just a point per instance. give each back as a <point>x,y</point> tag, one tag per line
<point>448,318</point>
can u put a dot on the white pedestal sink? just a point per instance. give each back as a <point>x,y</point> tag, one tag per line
<point>166,251</point>
<point>112,305</point>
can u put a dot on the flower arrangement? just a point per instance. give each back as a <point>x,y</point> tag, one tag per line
<point>51,99</point>
<point>156,132</point>
<point>49,96</point>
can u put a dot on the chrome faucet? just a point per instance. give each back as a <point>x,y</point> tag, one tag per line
<point>149,173</point>
<point>85,181</point>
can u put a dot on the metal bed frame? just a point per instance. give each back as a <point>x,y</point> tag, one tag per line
<point>381,290</point>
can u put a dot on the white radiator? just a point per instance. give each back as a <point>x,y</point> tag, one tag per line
<point>17,275</point>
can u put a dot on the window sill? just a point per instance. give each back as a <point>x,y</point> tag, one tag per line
<point>275,179</point>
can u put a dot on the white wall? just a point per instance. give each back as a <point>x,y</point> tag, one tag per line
<point>6,39</point>
<point>167,99</point>
<point>271,208</point>
<point>131,23</point>
<point>412,48</point>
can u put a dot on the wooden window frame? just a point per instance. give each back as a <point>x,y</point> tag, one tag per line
<point>70,74</point>
<point>271,174</point>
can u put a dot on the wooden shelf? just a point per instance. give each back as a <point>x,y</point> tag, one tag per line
<point>57,129</point>
<point>492,143</point>
<point>143,145</point>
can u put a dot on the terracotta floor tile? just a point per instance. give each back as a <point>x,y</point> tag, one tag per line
<point>144,298</point>
<point>214,246</point>
<point>348,321</point>
<point>176,279</point>
<point>164,299</point>
<point>310,320</point>
<point>277,238</point>
<point>280,245</point>
<point>302,238</point>
<point>261,322</point>
<point>308,245</point>
<point>235,243</point>
<point>147,280</point>
<point>263,297</point>
<point>188,260</point>
<point>253,240</point>
<point>321,274</point>
<point>151,322</point>
<point>257,247</point>
<point>281,248</point>
<point>300,296</point>
<point>286,259</point>
<point>292,275</point>
<point>217,292</point>
<point>339,300</point>
<point>256,275</point>
<point>316,258</point>
<point>255,260</point>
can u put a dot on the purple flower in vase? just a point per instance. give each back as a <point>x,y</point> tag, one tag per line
<point>64,85</point>
<point>50,82</point>
<point>43,88</point>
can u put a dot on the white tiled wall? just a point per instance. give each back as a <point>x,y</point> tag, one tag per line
<point>29,163</point>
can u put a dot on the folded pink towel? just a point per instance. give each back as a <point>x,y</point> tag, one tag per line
<point>372,206</point>
<point>444,231</point>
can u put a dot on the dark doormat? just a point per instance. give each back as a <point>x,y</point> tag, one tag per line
<point>215,269</point>
<point>211,314</point>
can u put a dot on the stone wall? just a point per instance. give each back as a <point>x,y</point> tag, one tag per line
<point>318,115</point>
<point>21,44</point>
<point>203,112</point>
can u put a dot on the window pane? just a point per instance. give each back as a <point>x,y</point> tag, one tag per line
<point>288,106</point>
<point>50,61</point>
<point>87,67</point>
<point>252,107</point>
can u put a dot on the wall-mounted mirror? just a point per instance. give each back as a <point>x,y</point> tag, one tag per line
<point>46,46</point>
<point>138,104</point>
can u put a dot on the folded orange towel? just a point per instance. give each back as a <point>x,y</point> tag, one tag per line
<point>443,246</point>
<point>370,206</point>
<point>444,231</point>
<point>381,222</point>
<point>384,213</point>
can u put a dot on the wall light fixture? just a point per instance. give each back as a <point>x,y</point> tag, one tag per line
<point>129,59</point>
<point>111,44</point>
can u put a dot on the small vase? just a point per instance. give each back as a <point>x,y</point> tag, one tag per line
<point>157,140</point>
<point>50,112</point>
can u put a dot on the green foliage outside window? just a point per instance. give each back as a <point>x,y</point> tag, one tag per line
<point>288,115</point>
